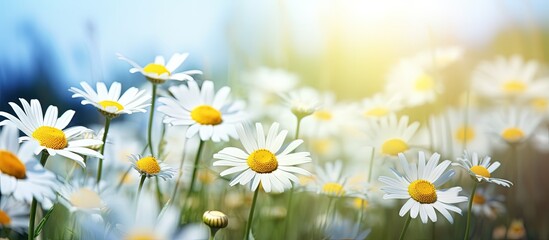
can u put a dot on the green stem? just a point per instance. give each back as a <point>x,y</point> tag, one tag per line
<point>193,177</point>
<point>298,127</point>
<point>149,131</point>
<point>406,224</point>
<point>158,193</point>
<point>288,214</point>
<point>467,227</point>
<point>102,149</point>
<point>34,204</point>
<point>174,194</point>
<point>371,164</point>
<point>44,157</point>
<point>251,216</point>
<point>139,190</point>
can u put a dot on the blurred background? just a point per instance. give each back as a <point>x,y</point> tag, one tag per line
<point>344,46</point>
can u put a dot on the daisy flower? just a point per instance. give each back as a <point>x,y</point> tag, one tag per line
<point>22,176</point>
<point>330,180</point>
<point>111,102</point>
<point>150,166</point>
<point>418,184</point>
<point>457,130</point>
<point>391,136</point>
<point>302,102</point>
<point>512,125</point>
<point>14,215</point>
<point>82,197</point>
<point>207,113</point>
<point>511,77</point>
<point>381,105</point>
<point>47,131</point>
<point>413,82</point>
<point>481,170</point>
<point>159,71</point>
<point>263,159</point>
<point>487,203</point>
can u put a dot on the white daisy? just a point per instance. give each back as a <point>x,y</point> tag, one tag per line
<point>206,113</point>
<point>481,170</point>
<point>150,166</point>
<point>302,102</point>
<point>439,57</point>
<point>159,71</point>
<point>415,83</point>
<point>263,87</point>
<point>509,78</point>
<point>263,161</point>
<point>330,119</point>
<point>512,125</point>
<point>82,197</point>
<point>47,131</point>
<point>419,185</point>
<point>110,102</point>
<point>22,176</point>
<point>381,105</point>
<point>390,136</point>
<point>330,180</point>
<point>14,214</point>
<point>457,130</point>
<point>487,203</point>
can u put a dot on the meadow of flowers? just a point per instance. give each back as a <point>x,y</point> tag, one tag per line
<point>281,160</point>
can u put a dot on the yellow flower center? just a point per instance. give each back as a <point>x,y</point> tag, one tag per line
<point>323,115</point>
<point>4,218</point>
<point>50,137</point>
<point>156,68</point>
<point>11,165</point>
<point>85,198</point>
<point>377,112</point>
<point>514,86</point>
<point>108,103</point>
<point>206,115</point>
<point>422,191</point>
<point>480,170</point>
<point>206,177</point>
<point>539,104</point>
<point>322,146</point>
<point>424,83</point>
<point>465,134</point>
<point>141,235</point>
<point>262,161</point>
<point>359,203</point>
<point>512,134</point>
<point>478,199</point>
<point>333,188</point>
<point>148,165</point>
<point>394,146</point>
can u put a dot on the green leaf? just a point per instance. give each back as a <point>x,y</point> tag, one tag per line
<point>43,222</point>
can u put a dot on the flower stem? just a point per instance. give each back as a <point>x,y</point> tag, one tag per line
<point>467,227</point>
<point>251,216</point>
<point>151,115</point>
<point>34,204</point>
<point>193,177</point>
<point>371,164</point>
<point>139,190</point>
<point>195,167</point>
<point>288,214</point>
<point>297,128</point>
<point>406,224</point>
<point>178,180</point>
<point>102,149</point>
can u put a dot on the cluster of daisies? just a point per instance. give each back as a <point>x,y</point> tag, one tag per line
<point>172,172</point>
